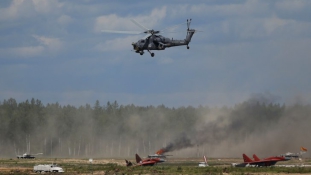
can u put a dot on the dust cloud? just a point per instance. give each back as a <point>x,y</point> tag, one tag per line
<point>257,126</point>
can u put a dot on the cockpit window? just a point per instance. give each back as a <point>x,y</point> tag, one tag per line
<point>142,41</point>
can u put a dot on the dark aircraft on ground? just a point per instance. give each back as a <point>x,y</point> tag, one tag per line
<point>158,154</point>
<point>259,162</point>
<point>27,156</point>
<point>290,155</point>
<point>154,41</point>
<point>145,162</point>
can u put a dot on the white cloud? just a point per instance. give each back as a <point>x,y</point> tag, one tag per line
<point>12,11</point>
<point>27,8</point>
<point>64,20</point>
<point>28,51</point>
<point>114,22</point>
<point>229,10</point>
<point>51,44</point>
<point>42,6</point>
<point>46,45</point>
<point>46,7</point>
<point>274,23</point>
<point>290,5</point>
<point>154,18</point>
<point>117,44</point>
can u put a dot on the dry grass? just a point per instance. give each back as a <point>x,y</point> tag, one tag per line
<point>172,166</point>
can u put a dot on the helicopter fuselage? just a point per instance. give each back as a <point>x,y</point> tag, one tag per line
<point>158,42</point>
<point>154,41</point>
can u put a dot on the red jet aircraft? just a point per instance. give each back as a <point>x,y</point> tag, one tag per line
<point>145,162</point>
<point>259,162</point>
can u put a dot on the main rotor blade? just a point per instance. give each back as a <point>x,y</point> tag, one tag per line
<point>172,27</point>
<point>139,25</point>
<point>146,36</point>
<point>123,32</point>
<point>198,31</point>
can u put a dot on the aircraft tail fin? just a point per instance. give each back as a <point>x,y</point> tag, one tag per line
<point>246,158</point>
<point>138,159</point>
<point>189,35</point>
<point>205,160</point>
<point>128,163</point>
<point>256,158</point>
<point>190,32</point>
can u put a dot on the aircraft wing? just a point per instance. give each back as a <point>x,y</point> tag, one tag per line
<point>264,163</point>
<point>147,163</point>
<point>122,32</point>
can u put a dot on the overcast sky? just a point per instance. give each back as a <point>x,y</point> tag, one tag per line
<point>55,51</point>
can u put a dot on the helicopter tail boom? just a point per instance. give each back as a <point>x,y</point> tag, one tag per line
<point>181,42</point>
<point>186,41</point>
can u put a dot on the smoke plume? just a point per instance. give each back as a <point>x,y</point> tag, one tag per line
<point>182,141</point>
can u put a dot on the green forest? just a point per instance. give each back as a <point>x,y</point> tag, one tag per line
<point>113,130</point>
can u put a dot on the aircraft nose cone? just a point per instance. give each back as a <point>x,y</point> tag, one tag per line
<point>135,47</point>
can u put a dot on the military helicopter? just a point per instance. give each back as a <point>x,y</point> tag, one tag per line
<point>154,41</point>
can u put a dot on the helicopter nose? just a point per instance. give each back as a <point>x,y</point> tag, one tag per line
<point>135,47</point>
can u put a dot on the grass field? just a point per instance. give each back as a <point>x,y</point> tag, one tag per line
<point>172,166</point>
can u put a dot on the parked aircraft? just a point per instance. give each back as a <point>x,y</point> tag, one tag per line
<point>145,162</point>
<point>259,162</point>
<point>290,155</point>
<point>27,156</point>
<point>159,154</point>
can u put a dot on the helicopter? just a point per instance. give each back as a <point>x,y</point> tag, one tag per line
<point>154,41</point>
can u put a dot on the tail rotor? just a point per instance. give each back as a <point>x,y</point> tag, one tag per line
<point>188,23</point>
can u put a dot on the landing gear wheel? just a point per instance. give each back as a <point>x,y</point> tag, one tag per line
<point>152,54</point>
<point>141,53</point>
<point>188,47</point>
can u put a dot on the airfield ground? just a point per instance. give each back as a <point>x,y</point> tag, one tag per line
<point>172,166</point>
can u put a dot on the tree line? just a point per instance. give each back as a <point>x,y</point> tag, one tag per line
<point>114,130</point>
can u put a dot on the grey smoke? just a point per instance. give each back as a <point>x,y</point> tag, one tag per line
<point>259,125</point>
<point>182,141</point>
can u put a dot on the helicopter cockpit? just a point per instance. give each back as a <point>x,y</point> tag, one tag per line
<point>142,41</point>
